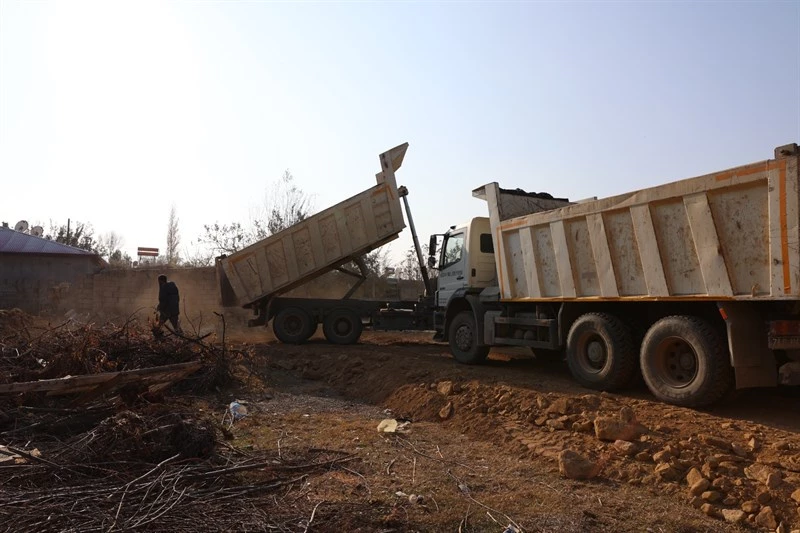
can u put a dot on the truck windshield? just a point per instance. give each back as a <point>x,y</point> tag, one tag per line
<point>452,250</point>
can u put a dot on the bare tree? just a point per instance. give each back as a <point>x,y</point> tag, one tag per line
<point>173,238</point>
<point>285,205</point>
<point>409,267</point>
<point>109,245</point>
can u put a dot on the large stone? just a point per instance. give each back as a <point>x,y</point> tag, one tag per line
<point>693,476</point>
<point>796,495</point>
<point>711,496</point>
<point>667,472</point>
<point>738,449</point>
<point>750,507</point>
<point>582,426</point>
<point>445,388</point>
<point>722,483</point>
<point>763,497</point>
<point>624,427</point>
<point>573,465</point>
<point>766,518</point>
<point>662,456</point>
<point>734,516</point>
<point>758,472</point>
<point>709,510</point>
<point>560,406</point>
<point>716,442</point>
<point>699,487</point>
<point>774,479</point>
<point>625,447</point>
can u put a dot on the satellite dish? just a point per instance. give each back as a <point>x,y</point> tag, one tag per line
<point>37,231</point>
<point>22,225</point>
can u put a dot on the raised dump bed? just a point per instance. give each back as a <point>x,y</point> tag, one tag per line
<point>318,244</point>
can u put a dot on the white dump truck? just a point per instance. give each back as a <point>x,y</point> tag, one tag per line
<point>259,276</point>
<point>695,283</point>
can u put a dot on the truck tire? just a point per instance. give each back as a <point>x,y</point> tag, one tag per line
<point>600,352</point>
<point>293,325</point>
<point>684,361</point>
<point>462,337</point>
<point>342,326</point>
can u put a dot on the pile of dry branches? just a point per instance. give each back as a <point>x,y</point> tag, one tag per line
<point>126,461</point>
<point>72,349</point>
<point>110,478</point>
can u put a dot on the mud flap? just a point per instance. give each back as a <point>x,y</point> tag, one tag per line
<point>752,360</point>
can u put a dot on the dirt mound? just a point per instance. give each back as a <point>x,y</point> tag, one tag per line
<point>736,470</point>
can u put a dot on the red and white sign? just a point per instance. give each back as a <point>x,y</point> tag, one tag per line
<point>147,252</point>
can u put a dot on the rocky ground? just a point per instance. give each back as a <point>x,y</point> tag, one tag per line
<point>516,443</point>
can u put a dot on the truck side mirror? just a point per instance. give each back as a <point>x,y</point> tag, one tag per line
<point>432,246</point>
<point>431,261</point>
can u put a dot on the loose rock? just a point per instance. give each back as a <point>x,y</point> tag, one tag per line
<point>445,388</point>
<point>733,516</point>
<point>763,497</point>
<point>709,510</point>
<point>573,465</point>
<point>759,472</point>
<point>717,442</point>
<point>623,428</point>
<point>766,518</point>
<point>699,487</point>
<point>711,496</point>
<point>693,476</point>
<point>667,472</point>
<point>750,507</point>
<point>625,447</point>
<point>446,411</point>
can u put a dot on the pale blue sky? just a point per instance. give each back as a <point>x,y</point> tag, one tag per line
<point>110,112</point>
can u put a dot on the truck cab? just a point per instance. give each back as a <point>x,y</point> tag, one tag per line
<point>466,266</point>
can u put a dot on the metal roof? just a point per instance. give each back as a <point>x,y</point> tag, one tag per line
<point>15,242</point>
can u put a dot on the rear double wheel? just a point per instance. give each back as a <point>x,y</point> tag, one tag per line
<point>685,361</point>
<point>600,353</point>
<point>342,326</point>
<point>293,325</point>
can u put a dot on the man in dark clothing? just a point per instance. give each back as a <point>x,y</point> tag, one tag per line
<point>169,301</point>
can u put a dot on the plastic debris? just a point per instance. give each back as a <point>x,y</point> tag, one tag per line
<point>390,425</point>
<point>238,411</point>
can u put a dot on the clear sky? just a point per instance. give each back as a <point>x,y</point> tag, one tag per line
<point>112,111</point>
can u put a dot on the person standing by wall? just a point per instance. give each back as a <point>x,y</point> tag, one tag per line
<point>169,301</point>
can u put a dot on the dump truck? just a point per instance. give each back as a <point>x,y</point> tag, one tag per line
<point>259,277</point>
<point>694,283</point>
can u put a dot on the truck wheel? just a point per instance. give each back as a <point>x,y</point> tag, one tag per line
<point>293,325</point>
<point>342,326</point>
<point>600,352</point>
<point>685,362</point>
<point>463,340</point>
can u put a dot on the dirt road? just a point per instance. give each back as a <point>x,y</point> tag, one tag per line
<point>515,443</point>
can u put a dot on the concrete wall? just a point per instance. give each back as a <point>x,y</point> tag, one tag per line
<point>39,283</point>
<point>116,295</point>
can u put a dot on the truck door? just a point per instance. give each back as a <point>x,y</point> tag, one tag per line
<point>452,265</point>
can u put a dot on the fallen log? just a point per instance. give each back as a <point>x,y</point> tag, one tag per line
<point>108,381</point>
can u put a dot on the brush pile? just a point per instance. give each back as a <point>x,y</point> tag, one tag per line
<point>126,458</point>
